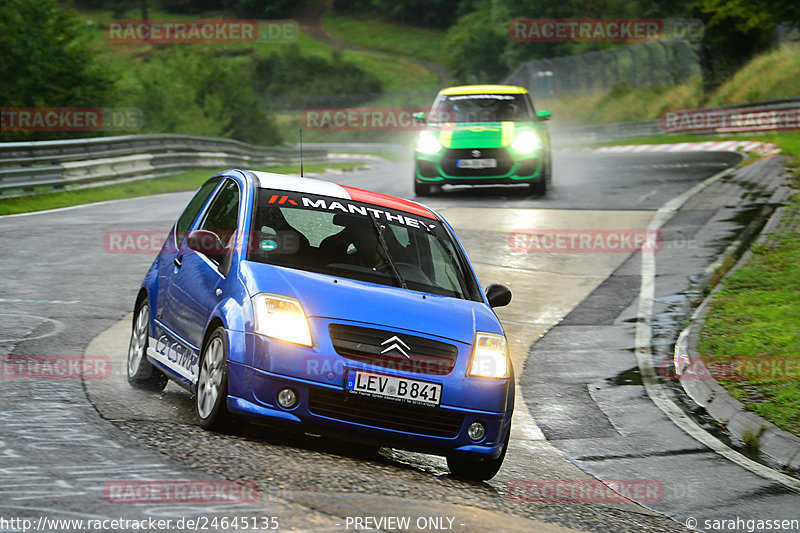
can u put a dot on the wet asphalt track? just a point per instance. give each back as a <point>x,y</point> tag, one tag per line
<point>61,289</point>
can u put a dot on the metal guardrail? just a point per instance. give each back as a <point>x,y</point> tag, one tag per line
<point>571,136</point>
<point>604,132</point>
<point>29,165</point>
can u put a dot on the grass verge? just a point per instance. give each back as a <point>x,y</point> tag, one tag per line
<point>752,323</point>
<point>398,39</point>
<point>772,75</point>
<point>184,181</point>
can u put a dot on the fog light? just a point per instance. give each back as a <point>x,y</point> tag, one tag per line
<point>287,398</point>
<point>476,431</point>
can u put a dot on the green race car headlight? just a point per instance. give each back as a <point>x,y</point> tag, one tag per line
<point>526,142</point>
<point>428,143</point>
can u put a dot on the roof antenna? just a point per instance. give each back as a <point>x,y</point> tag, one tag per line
<point>301,152</point>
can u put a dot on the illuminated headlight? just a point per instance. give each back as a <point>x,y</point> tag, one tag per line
<point>428,142</point>
<point>526,142</point>
<point>490,357</point>
<point>281,317</point>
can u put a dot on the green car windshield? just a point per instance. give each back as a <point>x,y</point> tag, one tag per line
<point>482,108</point>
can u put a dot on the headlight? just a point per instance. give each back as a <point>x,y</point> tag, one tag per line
<point>281,317</point>
<point>428,142</point>
<point>526,142</point>
<point>490,357</point>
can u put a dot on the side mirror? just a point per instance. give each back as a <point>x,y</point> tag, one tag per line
<point>207,243</point>
<point>419,117</point>
<point>498,295</point>
<point>543,116</point>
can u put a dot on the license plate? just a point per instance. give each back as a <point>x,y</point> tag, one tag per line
<point>394,388</point>
<point>477,163</point>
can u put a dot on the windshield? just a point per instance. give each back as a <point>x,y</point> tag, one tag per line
<point>357,241</point>
<point>483,108</point>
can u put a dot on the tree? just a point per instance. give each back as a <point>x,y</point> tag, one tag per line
<point>44,62</point>
<point>473,48</point>
<point>200,92</point>
<point>750,15</point>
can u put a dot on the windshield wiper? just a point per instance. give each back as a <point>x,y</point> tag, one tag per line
<point>388,256</point>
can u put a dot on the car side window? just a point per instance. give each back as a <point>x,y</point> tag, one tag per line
<point>191,211</point>
<point>223,214</point>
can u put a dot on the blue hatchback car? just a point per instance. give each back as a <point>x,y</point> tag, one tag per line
<point>331,308</point>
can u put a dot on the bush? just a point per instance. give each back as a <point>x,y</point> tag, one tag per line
<point>199,92</point>
<point>311,80</point>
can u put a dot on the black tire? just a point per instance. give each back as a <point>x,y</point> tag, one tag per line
<point>212,383</point>
<point>422,189</point>
<point>545,178</point>
<point>477,469</point>
<point>539,186</point>
<point>141,373</point>
<point>549,173</point>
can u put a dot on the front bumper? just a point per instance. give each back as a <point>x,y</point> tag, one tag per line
<point>318,375</point>
<point>443,168</point>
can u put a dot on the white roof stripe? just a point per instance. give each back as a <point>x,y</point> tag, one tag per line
<point>270,180</point>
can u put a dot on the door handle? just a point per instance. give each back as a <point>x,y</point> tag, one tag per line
<point>177,262</point>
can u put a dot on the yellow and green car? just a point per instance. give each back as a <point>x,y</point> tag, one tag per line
<point>482,134</point>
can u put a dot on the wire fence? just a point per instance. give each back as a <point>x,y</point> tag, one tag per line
<point>637,65</point>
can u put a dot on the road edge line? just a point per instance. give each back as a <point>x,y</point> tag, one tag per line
<point>654,388</point>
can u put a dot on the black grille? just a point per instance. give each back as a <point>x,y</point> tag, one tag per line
<point>427,169</point>
<point>385,413</point>
<point>423,356</point>
<point>527,168</point>
<point>451,157</point>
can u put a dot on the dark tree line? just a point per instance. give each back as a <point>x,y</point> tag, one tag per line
<point>734,31</point>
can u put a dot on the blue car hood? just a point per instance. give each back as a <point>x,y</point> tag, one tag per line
<point>337,298</point>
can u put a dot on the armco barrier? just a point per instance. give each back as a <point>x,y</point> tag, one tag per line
<point>571,136</point>
<point>604,132</point>
<point>25,165</point>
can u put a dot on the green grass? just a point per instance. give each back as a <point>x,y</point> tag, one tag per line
<point>375,34</point>
<point>396,74</point>
<point>754,318</point>
<point>623,104</point>
<point>185,181</point>
<point>767,77</point>
<point>404,82</point>
<point>773,75</point>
